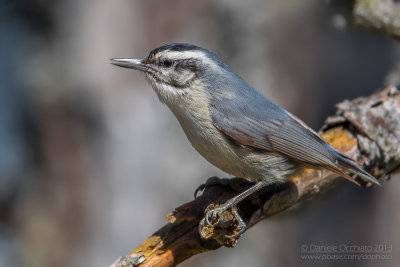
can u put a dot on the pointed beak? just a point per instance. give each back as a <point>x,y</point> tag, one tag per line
<point>130,63</point>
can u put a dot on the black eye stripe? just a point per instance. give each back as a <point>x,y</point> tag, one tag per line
<point>188,64</point>
<point>166,63</point>
<point>179,65</point>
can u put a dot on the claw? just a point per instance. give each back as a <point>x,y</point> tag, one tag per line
<point>198,189</point>
<point>212,181</point>
<point>207,217</point>
<point>216,212</point>
<point>216,222</point>
<point>241,227</point>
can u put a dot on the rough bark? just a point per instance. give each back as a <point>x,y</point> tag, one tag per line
<point>379,15</point>
<point>366,129</point>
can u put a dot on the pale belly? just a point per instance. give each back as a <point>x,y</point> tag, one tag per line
<point>234,159</point>
<point>214,147</point>
<point>239,161</point>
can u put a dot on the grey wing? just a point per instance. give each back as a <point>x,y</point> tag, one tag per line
<point>268,127</point>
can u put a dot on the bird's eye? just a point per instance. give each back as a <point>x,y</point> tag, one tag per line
<point>167,63</point>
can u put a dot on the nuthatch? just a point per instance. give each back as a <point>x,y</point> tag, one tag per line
<point>232,125</point>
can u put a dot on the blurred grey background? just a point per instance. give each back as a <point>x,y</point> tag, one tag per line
<point>90,161</point>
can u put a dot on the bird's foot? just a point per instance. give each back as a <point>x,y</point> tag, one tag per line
<point>223,223</point>
<point>212,216</point>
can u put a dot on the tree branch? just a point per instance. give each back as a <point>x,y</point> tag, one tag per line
<point>378,15</point>
<point>365,129</point>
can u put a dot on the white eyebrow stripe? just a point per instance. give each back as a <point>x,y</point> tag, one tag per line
<point>180,55</point>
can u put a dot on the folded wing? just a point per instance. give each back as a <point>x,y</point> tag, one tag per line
<point>267,127</point>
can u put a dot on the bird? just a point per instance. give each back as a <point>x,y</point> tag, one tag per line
<point>232,125</point>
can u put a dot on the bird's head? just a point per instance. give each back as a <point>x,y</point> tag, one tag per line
<point>174,70</point>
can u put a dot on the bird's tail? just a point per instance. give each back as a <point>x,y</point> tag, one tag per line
<point>348,165</point>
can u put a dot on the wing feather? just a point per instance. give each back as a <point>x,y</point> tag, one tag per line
<point>250,119</point>
<point>277,132</point>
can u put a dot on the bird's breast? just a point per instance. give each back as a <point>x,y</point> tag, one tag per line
<point>194,116</point>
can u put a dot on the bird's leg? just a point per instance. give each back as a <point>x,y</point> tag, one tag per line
<point>214,214</point>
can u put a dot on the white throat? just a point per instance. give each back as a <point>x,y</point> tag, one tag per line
<point>165,92</point>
